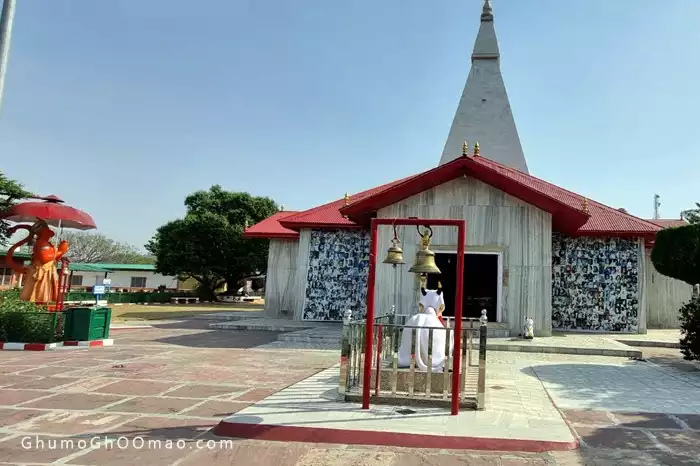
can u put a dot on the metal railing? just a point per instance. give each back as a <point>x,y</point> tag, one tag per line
<point>408,385</point>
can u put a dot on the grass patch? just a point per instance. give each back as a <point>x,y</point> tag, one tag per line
<point>177,311</point>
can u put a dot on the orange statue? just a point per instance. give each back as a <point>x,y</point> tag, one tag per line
<point>41,277</point>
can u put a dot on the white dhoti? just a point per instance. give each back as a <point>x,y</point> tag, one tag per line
<point>424,321</point>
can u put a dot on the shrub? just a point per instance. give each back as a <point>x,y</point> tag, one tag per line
<point>25,322</point>
<point>690,329</point>
<point>132,297</point>
<point>11,293</point>
<point>676,253</point>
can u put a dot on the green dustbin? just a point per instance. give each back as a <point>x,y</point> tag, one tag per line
<point>87,323</point>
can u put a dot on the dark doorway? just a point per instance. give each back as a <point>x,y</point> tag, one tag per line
<point>480,283</point>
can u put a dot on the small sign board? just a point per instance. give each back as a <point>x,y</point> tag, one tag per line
<point>106,281</point>
<point>98,289</point>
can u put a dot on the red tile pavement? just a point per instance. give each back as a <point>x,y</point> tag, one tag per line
<point>217,408</point>
<point>207,391</point>
<point>73,401</point>
<point>152,404</point>
<point>9,397</point>
<point>11,416</point>
<point>211,374</point>
<point>136,387</point>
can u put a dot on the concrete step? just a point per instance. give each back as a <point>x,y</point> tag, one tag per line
<point>314,335</point>
<point>271,325</point>
<point>231,315</point>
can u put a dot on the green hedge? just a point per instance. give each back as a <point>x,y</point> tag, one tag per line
<point>25,322</point>
<point>690,329</point>
<point>676,253</point>
<point>134,297</point>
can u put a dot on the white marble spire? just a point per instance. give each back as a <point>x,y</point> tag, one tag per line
<point>484,112</point>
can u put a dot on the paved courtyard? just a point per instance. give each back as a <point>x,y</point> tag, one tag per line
<point>155,395</point>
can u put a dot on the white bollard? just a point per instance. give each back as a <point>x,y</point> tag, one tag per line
<point>528,330</point>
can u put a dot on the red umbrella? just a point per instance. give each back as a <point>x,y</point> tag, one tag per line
<point>53,211</point>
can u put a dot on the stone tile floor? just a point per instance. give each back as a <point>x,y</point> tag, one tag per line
<point>519,409</point>
<point>324,335</point>
<point>175,381</point>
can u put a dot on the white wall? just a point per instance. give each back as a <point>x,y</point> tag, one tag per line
<point>665,296</point>
<point>122,278</point>
<point>496,222</point>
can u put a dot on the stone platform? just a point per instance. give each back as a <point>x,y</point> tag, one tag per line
<point>521,419</point>
<point>326,335</point>
<point>654,338</point>
<point>230,315</point>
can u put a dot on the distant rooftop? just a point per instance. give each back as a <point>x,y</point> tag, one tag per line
<point>18,254</point>
<point>115,267</point>
<point>668,222</point>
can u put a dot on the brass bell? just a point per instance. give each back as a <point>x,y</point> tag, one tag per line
<point>425,258</point>
<point>394,254</point>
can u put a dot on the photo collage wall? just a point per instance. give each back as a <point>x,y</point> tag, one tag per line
<point>595,284</point>
<point>337,274</point>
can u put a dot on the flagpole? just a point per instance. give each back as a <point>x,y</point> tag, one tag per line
<point>6,17</point>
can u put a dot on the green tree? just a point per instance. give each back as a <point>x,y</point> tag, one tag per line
<point>676,253</point>
<point>10,191</point>
<point>95,247</point>
<point>692,215</point>
<point>690,329</point>
<point>208,243</point>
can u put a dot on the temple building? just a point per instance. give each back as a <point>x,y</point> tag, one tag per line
<point>534,249</point>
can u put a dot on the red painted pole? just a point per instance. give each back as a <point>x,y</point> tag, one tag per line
<point>377,371</point>
<point>370,315</point>
<point>457,354</point>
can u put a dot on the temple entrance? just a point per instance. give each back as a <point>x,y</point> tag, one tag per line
<point>481,277</point>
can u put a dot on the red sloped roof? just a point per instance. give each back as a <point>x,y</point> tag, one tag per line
<point>603,220</point>
<point>328,215</point>
<point>668,222</point>
<point>566,217</point>
<point>566,207</point>
<point>271,228</point>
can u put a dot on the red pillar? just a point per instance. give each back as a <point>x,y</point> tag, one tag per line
<point>457,354</point>
<point>367,377</point>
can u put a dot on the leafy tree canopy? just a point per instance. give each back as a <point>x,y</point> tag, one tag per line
<point>692,215</point>
<point>208,243</point>
<point>10,191</point>
<point>676,253</point>
<point>94,247</point>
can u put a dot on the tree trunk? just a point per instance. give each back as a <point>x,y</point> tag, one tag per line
<point>206,289</point>
<point>232,285</point>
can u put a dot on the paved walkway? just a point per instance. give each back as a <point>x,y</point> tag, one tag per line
<point>326,335</point>
<point>519,416</point>
<point>177,380</point>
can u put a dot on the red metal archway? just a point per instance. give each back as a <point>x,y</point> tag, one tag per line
<point>371,278</point>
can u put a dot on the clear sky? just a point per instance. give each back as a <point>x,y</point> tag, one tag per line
<point>123,107</point>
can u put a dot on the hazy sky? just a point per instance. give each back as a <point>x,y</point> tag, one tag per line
<point>123,107</point>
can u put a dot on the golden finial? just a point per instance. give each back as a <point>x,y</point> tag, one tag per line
<point>439,285</point>
<point>476,149</point>
<point>347,198</point>
<point>465,149</point>
<point>585,205</point>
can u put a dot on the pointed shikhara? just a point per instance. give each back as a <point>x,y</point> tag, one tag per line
<point>484,112</point>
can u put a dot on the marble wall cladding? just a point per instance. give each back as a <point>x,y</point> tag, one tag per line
<point>595,283</point>
<point>337,274</point>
